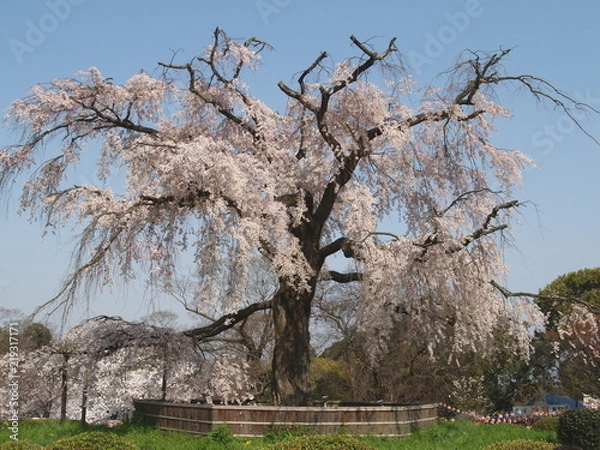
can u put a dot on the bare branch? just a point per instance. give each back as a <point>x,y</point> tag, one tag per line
<point>327,92</point>
<point>484,230</point>
<point>481,75</point>
<point>312,67</point>
<point>559,298</point>
<point>486,71</point>
<point>462,197</point>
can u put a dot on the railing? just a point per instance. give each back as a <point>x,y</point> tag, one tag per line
<point>256,420</point>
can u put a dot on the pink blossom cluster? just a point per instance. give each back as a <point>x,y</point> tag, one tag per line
<point>508,417</point>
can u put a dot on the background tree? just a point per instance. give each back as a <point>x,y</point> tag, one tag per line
<point>36,335</point>
<point>339,371</point>
<point>506,378</point>
<point>94,371</point>
<point>210,172</point>
<point>162,319</point>
<point>8,316</point>
<point>39,384</point>
<point>330,380</point>
<point>578,356</point>
<point>138,345</point>
<point>563,294</point>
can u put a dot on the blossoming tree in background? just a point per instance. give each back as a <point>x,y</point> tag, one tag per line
<point>194,168</point>
<point>94,371</point>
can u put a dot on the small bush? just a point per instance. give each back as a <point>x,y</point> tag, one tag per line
<point>521,444</point>
<point>277,433</point>
<point>580,427</point>
<point>546,424</point>
<point>94,440</point>
<point>20,445</point>
<point>222,435</point>
<point>322,442</point>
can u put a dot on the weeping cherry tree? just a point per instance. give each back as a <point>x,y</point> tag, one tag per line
<point>403,182</point>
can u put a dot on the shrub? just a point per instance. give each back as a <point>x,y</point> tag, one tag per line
<point>94,440</point>
<point>580,427</point>
<point>322,442</point>
<point>222,435</point>
<point>521,444</point>
<point>277,433</point>
<point>546,424</point>
<point>20,445</point>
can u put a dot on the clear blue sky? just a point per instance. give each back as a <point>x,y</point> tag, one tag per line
<point>557,40</point>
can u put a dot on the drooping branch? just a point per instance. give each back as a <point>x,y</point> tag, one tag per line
<point>128,334</point>
<point>189,201</point>
<point>484,70</point>
<point>70,286</point>
<point>556,97</point>
<point>227,321</point>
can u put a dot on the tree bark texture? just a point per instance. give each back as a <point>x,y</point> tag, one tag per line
<point>291,358</point>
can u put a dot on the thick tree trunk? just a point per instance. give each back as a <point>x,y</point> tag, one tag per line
<point>291,357</point>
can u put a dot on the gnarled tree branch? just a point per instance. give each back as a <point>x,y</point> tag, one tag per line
<point>341,277</point>
<point>227,321</point>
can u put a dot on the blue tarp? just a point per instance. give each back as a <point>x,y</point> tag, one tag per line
<point>552,399</point>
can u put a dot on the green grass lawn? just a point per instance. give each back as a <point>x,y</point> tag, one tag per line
<point>463,436</point>
<point>445,436</point>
